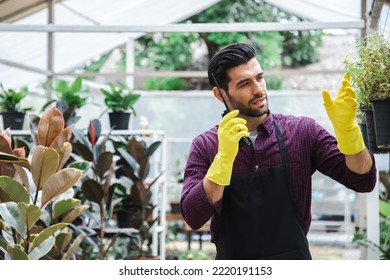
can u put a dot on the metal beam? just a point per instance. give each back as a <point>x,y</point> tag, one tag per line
<point>197,27</point>
<point>23,66</point>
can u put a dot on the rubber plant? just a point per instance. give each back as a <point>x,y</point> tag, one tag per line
<point>136,155</point>
<point>97,187</point>
<point>35,214</point>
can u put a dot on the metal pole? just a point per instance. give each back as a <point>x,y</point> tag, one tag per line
<point>50,48</point>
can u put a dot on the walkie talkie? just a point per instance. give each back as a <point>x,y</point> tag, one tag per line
<point>244,141</point>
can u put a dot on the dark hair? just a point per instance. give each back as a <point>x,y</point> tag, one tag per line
<point>228,57</point>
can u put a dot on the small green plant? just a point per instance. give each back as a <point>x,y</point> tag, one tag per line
<point>120,97</point>
<point>10,99</point>
<point>370,72</point>
<point>69,93</point>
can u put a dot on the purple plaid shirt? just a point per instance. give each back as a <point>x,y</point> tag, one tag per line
<point>310,147</point>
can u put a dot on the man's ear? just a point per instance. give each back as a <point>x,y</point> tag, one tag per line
<point>217,94</point>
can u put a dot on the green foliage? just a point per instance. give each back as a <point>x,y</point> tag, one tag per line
<point>34,219</point>
<point>370,72</point>
<point>165,84</point>
<point>173,51</point>
<point>10,99</point>
<point>120,97</point>
<point>69,93</point>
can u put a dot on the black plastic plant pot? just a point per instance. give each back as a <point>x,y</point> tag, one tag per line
<point>371,133</point>
<point>381,112</point>
<point>119,120</point>
<point>13,120</point>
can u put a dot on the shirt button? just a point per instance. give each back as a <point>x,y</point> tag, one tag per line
<point>256,167</point>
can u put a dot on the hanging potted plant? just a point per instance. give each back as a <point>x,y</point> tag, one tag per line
<point>120,99</point>
<point>370,77</point>
<point>10,106</point>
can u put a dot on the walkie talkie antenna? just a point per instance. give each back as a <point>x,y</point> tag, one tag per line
<point>244,141</point>
<point>220,93</point>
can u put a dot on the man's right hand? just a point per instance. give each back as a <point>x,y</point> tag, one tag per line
<point>230,131</point>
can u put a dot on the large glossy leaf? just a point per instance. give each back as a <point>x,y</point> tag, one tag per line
<point>21,161</point>
<point>59,183</point>
<point>65,152</point>
<point>44,164</point>
<point>22,177</point>
<point>16,253</point>
<point>94,131</point>
<point>50,125</point>
<point>153,147</point>
<point>103,164</point>
<point>62,240</point>
<point>75,213</point>
<point>46,233</point>
<point>10,214</point>
<point>93,191</point>
<point>83,151</point>
<point>63,206</point>
<point>43,249</point>
<point>5,145</point>
<point>138,192</point>
<point>72,249</point>
<point>62,137</point>
<point>136,149</point>
<point>11,190</point>
<point>83,166</point>
<point>29,213</point>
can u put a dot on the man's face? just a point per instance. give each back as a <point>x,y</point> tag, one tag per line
<point>247,89</point>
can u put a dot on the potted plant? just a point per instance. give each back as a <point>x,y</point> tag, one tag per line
<point>370,77</point>
<point>137,201</point>
<point>10,106</point>
<point>120,99</point>
<point>69,99</point>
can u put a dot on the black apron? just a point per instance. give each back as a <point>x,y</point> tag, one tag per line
<point>259,218</point>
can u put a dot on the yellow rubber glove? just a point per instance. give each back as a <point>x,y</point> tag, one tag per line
<point>341,112</point>
<point>230,131</point>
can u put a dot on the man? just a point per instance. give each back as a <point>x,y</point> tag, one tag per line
<point>258,196</point>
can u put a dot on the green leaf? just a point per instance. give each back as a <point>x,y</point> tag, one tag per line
<point>29,213</point>
<point>43,249</point>
<point>384,208</point>
<point>62,240</point>
<point>11,190</point>
<point>16,253</point>
<point>46,233</point>
<point>44,163</point>
<point>59,183</point>
<point>10,214</point>
<point>64,206</point>
<point>75,213</point>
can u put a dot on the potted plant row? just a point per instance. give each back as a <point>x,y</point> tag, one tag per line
<point>370,77</point>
